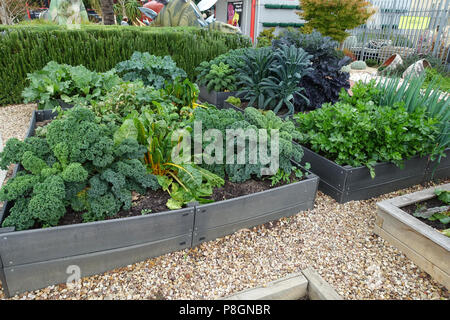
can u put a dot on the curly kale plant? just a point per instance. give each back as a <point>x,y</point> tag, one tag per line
<point>251,119</point>
<point>232,58</point>
<point>78,165</point>
<point>73,85</point>
<point>324,83</point>
<point>221,78</point>
<point>152,70</point>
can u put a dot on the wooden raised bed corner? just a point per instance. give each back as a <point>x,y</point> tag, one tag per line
<point>424,245</point>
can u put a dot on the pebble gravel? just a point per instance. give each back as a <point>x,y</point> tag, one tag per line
<point>336,240</point>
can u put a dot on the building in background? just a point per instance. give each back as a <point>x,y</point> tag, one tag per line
<point>252,16</point>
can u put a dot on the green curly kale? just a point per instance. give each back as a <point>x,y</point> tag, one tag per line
<point>252,118</point>
<point>78,165</point>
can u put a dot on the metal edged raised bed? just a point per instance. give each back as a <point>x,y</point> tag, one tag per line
<point>221,218</point>
<point>214,97</point>
<point>34,259</point>
<point>346,183</point>
<point>424,245</point>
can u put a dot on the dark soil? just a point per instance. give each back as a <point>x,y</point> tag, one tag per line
<point>155,201</point>
<point>152,202</point>
<point>43,123</point>
<point>428,204</point>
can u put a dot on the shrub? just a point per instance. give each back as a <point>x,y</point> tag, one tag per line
<point>265,37</point>
<point>372,62</point>
<point>25,49</point>
<point>333,17</point>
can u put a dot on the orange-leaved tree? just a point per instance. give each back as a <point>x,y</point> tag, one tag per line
<point>333,17</point>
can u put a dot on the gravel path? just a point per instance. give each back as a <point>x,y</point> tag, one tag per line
<point>335,239</point>
<point>14,123</point>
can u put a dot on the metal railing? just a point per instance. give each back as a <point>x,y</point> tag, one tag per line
<point>404,27</point>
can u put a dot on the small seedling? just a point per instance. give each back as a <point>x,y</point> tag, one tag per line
<point>146,211</point>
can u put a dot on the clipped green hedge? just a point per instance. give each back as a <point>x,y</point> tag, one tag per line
<point>25,49</point>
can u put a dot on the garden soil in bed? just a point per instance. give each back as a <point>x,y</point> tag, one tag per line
<point>428,204</point>
<point>155,201</point>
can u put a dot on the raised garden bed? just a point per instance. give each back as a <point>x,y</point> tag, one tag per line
<point>33,259</point>
<point>423,244</point>
<point>214,97</point>
<point>346,183</point>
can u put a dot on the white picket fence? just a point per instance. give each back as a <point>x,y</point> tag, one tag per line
<point>404,27</point>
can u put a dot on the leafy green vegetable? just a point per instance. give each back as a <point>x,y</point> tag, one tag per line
<point>289,66</point>
<point>78,165</point>
<point>185,182</point>
<point>365,134</point>
<point>73,85</point>
<point>221,78</point>
<point>152,70</point>
<point>443,195</point>
<point>223,119</point>
<point>324,83</point>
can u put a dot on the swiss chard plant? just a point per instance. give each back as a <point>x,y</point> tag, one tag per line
<point>185,182</point>
<point>76,165</point>
<point>290,64</point>
<point>153,70</point>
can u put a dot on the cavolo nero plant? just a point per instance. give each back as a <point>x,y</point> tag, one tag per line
<point>76,165</point>
<point>365,133</point>
<point>256,68</point>
<point>324,83</point>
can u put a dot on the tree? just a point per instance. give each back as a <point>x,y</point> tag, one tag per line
<point>11,11</point>
<point>333,17</point>
<point>107,11</point>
